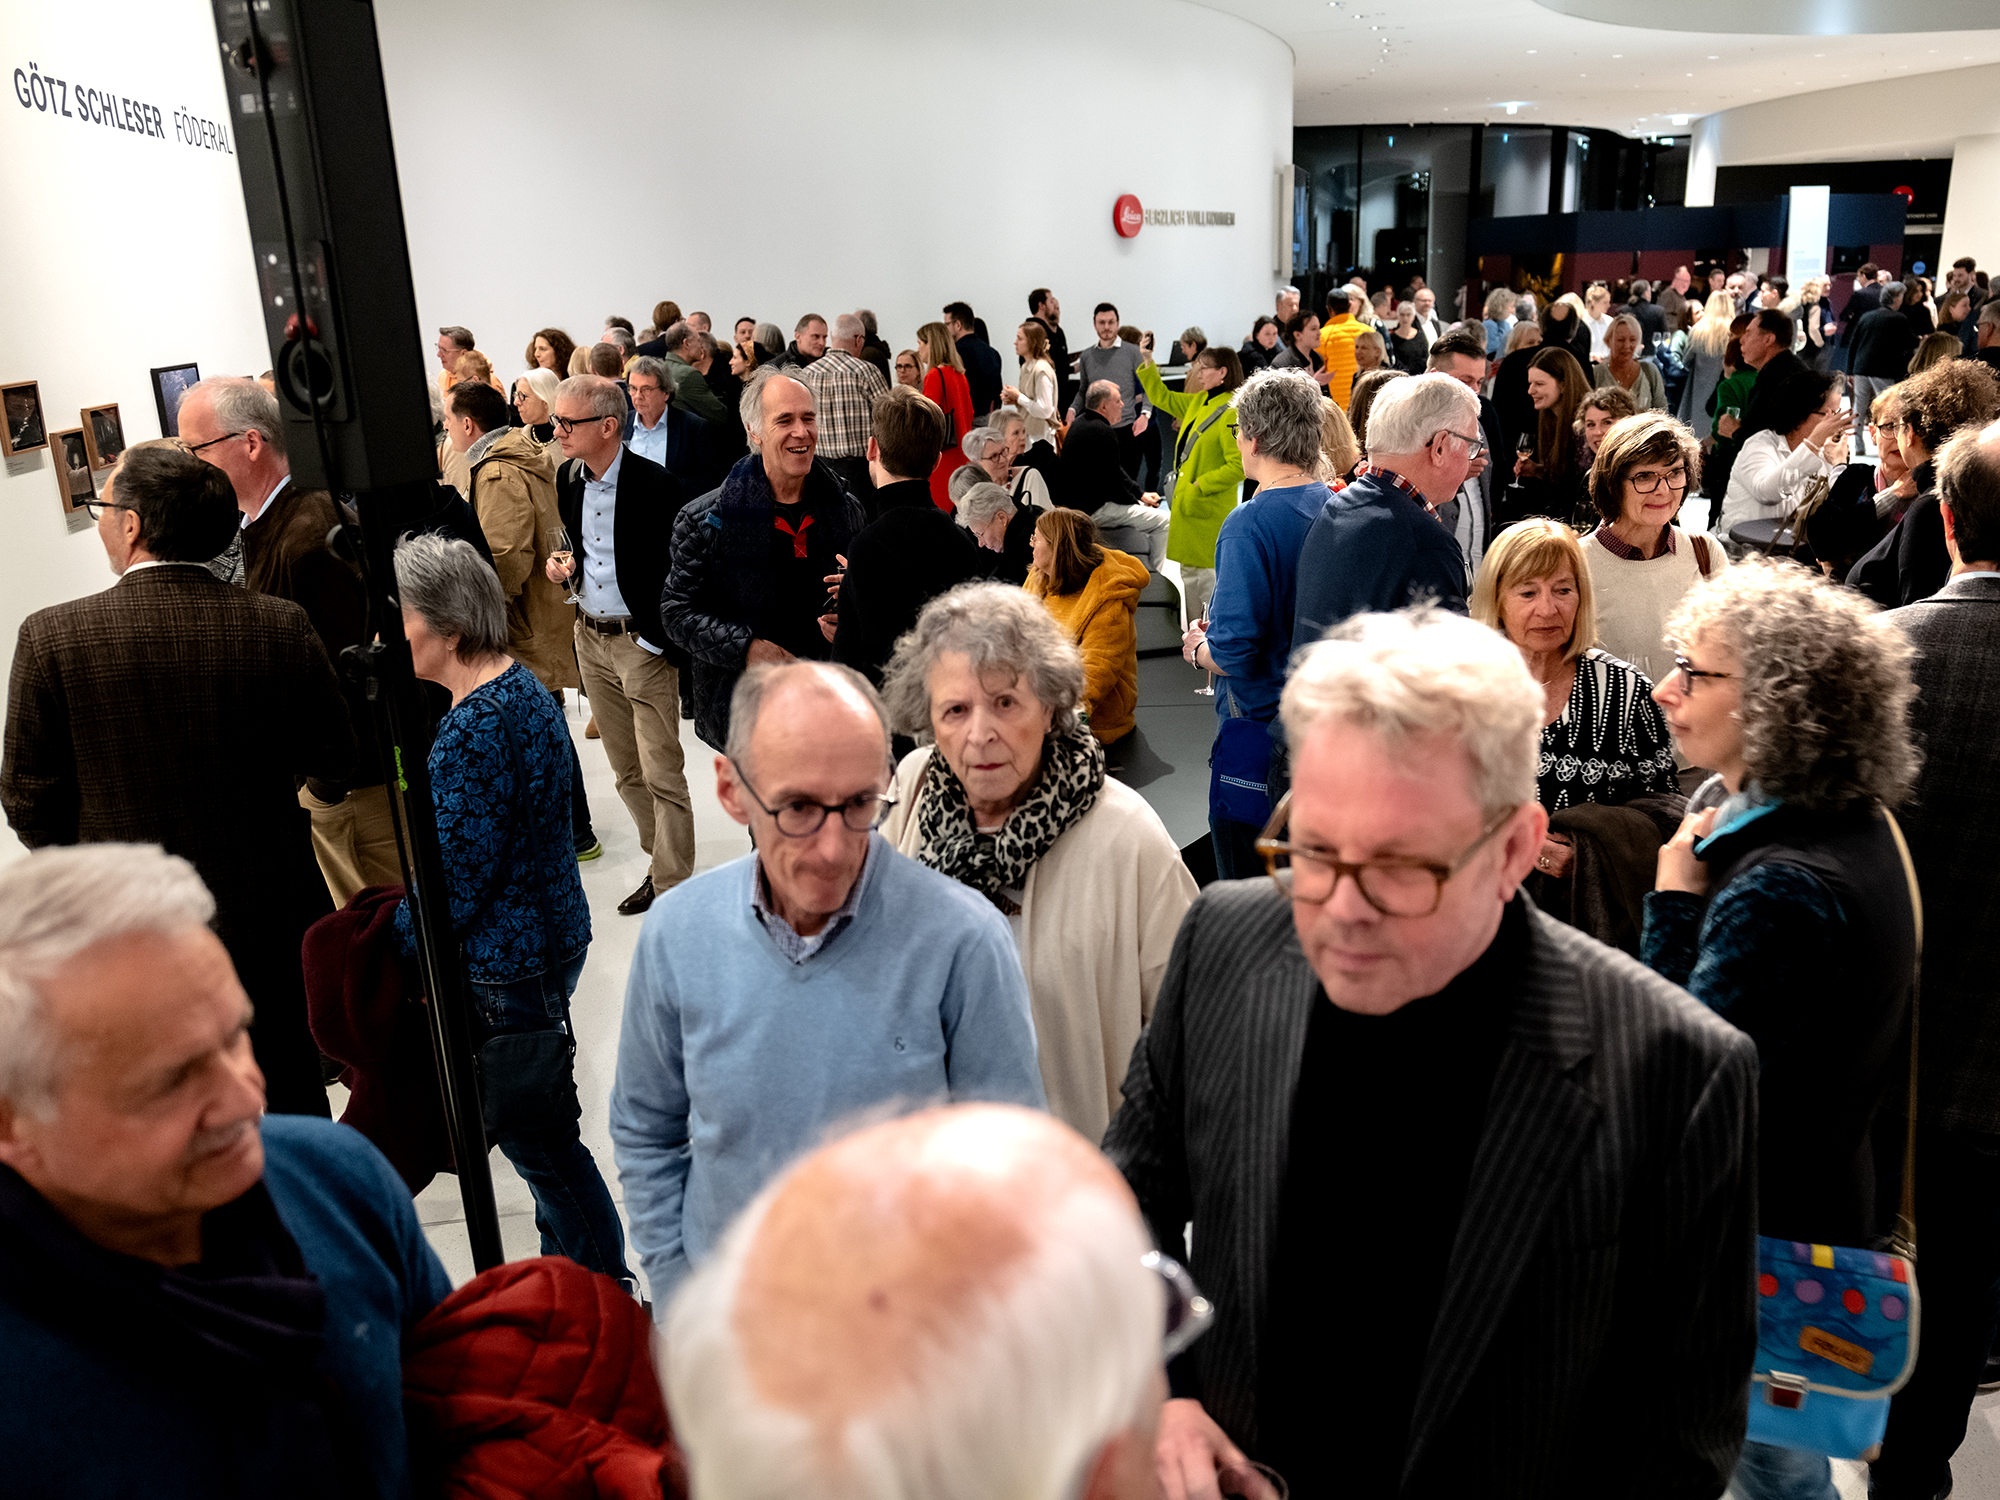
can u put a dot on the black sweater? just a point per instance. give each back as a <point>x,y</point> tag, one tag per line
<point>897,564</point>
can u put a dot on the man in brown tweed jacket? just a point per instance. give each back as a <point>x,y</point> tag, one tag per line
<point>175,709</point>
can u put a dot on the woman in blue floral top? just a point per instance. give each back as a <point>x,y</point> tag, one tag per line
<point>512,881</point>
<point>1603,738</point>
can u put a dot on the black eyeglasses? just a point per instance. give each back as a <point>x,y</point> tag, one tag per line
<point>1473,446</point>
<point>801,817</point>
<point>1189,1314</point>
<point>1688,671</point>
<point>99,507</point>
<point>1646,484</point>
<point>191,449</point>
<point>570,424</point>
<point>1394,887</point>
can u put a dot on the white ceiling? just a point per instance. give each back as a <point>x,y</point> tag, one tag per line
<point>1435,61</point>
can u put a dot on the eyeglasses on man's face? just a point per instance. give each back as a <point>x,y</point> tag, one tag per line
<point>1395,887</point>
<point>801,817</point>
<point>1474,447</point>
<point>193,450</point>
<point>1647,481</point>
<point>97,507</point>
<point>1687,671</point>
<point>570,424</point>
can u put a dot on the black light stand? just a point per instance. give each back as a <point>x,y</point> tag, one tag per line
<point>304,79</point>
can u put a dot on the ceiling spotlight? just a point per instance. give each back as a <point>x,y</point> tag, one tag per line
<point>1679,119</point>
<point>1513,109</point>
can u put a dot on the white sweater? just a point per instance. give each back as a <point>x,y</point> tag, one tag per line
<point>1037,386</point>
<point>1634,598</point>
<point>1098,918</point>
<point>1767,478</point>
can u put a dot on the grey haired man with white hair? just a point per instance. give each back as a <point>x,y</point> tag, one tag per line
<point>844,387</point>
<point>196,1298</point>
<point>1380,544</point>
<point>960,1304</point>
<point>1387,1032</point>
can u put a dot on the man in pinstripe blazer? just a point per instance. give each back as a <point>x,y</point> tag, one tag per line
<point>1473,1195</point>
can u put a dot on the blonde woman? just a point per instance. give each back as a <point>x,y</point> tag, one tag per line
<point>534,398</point>
<point>1638,378</point>
<point>1597,313</point>
<point>1705,348</point>
<point>1370,353</point>
<point>1604,740</point>
<point>1035,396</point>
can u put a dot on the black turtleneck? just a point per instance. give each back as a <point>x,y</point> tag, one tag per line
<point>1385,1123</point>
<point>907,556</point>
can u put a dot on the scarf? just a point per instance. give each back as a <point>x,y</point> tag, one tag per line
<point>992,863</point>
<point>241,1330</point>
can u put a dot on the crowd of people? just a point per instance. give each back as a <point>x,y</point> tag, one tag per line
<point>1605,724</point>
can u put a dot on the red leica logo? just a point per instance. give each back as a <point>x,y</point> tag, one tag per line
<point>1127,217</point>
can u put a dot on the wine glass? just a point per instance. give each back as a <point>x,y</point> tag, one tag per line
<point>1209,690</point>
<point>561,551</point>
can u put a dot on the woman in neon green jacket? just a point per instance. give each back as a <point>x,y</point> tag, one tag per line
<point>1211,470</point>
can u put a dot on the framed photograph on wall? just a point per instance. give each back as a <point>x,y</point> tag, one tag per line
<point>171,383</point>
<point>73,476</point>
<point>104,433</point>
<point>25,428</point>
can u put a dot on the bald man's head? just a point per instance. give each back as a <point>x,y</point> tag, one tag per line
<point>953,1296</point>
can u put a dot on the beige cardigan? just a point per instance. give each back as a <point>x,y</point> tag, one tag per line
<point>1098,917</point>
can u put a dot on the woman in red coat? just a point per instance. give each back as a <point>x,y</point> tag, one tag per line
<point>944,383</point>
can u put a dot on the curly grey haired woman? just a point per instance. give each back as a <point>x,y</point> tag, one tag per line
<point>1782,902</point>
<point>1010,798</point>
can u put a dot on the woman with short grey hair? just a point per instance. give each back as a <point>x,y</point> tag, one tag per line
<point>1783,902</point>
<point>1247,638</point>
<point>1007,794</point>
<point>500,769</point>
<point>988,450</point>
<point>1003,530</point>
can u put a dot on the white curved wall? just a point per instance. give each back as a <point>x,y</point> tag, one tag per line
<point>559,163</point>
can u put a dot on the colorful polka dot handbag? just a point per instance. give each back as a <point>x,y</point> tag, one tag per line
<point>1837,1328</point>
<point>1836,1338</point>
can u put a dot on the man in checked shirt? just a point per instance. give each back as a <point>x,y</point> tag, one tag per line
<point>844,387</point>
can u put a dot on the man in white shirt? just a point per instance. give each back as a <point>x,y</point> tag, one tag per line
<point>1427,316</point>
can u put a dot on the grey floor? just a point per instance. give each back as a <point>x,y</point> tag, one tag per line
<point>1166,761</point>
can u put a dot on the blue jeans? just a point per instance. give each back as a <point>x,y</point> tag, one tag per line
<point>1768,1473</point>
<point>573,1208</point>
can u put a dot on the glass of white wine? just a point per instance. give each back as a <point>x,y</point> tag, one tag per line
<point>563,554</point>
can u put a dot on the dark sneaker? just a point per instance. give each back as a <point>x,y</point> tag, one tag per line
<point>592,850</point>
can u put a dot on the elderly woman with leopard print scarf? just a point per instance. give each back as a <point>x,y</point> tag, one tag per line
<point>1009,796</point>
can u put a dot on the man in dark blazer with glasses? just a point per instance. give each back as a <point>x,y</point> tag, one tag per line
<point>1472,1194</point>
<point>175,709</point>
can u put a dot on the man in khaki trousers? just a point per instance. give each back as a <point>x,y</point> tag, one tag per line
<point>619,510</point>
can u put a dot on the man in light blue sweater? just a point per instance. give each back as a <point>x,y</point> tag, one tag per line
<point>824,976</point>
